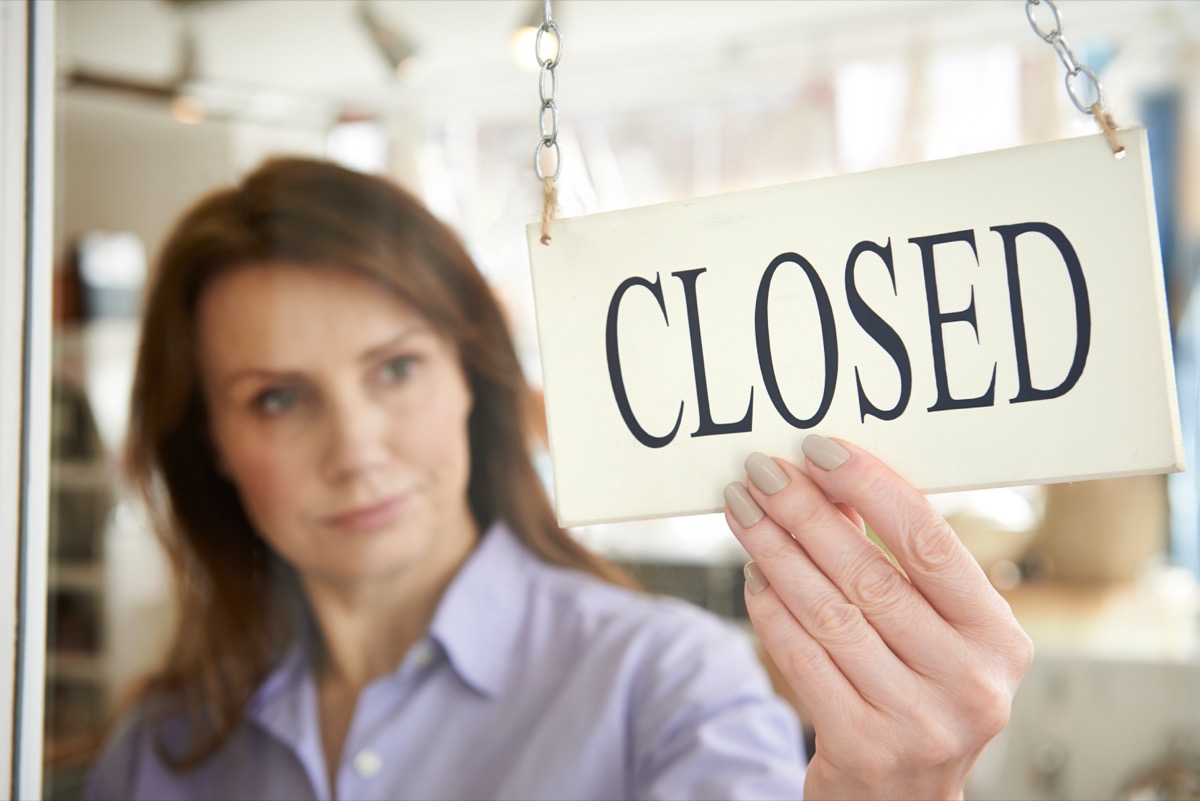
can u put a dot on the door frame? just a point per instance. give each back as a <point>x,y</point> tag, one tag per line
<point>27,69</point>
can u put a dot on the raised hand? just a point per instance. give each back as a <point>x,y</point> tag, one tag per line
<point>906,676</point>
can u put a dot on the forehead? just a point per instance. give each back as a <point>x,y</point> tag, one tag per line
<point>273,310</point>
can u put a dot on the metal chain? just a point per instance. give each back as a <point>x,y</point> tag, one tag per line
<point>1055,38</point>
<point>1093,101</point>
<point>548,93</point>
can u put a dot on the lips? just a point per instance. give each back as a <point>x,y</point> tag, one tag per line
<point>369,517</point>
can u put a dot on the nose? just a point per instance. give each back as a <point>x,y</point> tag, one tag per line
<point>355,437</point>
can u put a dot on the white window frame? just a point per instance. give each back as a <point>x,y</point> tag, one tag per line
<point>26,281</point>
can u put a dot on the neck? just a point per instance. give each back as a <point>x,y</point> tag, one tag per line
<point>367,626</point>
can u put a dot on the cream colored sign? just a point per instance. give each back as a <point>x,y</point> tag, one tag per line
<point>987,320</point>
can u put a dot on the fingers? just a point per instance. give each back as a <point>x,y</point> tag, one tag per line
<point>907,673</point>
<point>821,686</point>
<point>812,600</point>
<point>936,562</point>
<point>852,565</point>
<point>852,515</point>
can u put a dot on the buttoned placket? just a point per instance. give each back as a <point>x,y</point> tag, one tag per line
<point>364,758</point>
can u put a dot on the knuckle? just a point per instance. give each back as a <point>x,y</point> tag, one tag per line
<point>935,739</point>
<point>777,549</point>
<point>987,703</point>
<point>931,543</point>
<point>1009,645</point>
<point>807,663</point>
<point>876,482</point>
<point>808,517</point>
<point>1027,654</point>
<point>1013,653</point>
<point>995,719</point>
<point>838,622</point>
<point>940,745</point>
<point>925,538</point>
<point>1021,653</point>
<point>876,585</point>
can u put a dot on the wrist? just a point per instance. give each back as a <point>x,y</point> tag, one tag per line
<point>823,784</point>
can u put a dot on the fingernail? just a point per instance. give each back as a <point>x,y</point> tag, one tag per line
<point>744,509</point>
<point>766,475</point>
<point>825,453</point>
<point>755,580</point>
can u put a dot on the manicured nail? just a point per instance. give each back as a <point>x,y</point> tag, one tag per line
<point>744,509</point>
<point>755,580</point>
<point>825,453</point>
<point>766,475</point>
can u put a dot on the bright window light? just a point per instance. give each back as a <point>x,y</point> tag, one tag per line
<point>869,110</point>
<point>360,145</point>
<point>974,101</point>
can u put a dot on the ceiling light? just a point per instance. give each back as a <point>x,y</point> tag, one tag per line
<point>187,109</point>
<point>523,46</point>
<point>410,70</point>
<point>359,143</point>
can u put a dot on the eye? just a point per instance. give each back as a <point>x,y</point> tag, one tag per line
<point>275,401</point>
<point>397,368</point>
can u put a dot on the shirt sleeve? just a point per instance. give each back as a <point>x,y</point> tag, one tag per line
<point>706,723</point>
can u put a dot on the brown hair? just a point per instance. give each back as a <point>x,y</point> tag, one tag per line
<point>236,598</point>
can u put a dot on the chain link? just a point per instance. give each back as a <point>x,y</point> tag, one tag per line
<point>1080,77</point>
<point>548,93</point>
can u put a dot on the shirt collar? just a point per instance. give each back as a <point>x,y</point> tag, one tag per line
<point>477,624</point>
<point>480,616</point>
<point>286,706</point>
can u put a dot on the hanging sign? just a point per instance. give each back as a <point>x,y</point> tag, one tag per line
<point>988,320</point>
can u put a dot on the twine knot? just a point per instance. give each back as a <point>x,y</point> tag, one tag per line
<point>549,207</point>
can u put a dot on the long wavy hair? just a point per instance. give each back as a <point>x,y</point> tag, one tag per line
<point>237,599</point>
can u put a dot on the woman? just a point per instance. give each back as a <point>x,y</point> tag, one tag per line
<point>328,418</point>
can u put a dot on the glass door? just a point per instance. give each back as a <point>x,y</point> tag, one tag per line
<point>157,102</point>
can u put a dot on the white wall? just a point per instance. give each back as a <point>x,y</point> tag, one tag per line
<point>131,167</point>
<point>128,165</point>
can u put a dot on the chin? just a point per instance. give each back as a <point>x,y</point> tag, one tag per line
<point>364,559</point>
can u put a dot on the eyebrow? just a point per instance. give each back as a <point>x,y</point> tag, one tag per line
<point>370,354</point>
<point>376,351</point>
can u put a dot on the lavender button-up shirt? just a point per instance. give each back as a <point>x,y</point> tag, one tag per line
<point>534,682</point>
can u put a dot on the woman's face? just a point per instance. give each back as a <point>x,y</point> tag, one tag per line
<point>341,417</point>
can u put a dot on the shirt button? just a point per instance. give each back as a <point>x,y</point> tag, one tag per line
<point>422,655</point>
<point>367,763</point>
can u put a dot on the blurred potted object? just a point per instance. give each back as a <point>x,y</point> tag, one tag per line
<point>1103,531</point>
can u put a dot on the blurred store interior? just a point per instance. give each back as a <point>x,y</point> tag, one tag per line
<point>659,100</point>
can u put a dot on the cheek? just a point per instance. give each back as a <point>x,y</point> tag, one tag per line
<point>265,475</point>
<point>440,439</point>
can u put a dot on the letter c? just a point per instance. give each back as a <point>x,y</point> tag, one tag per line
<point>615,376</point>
